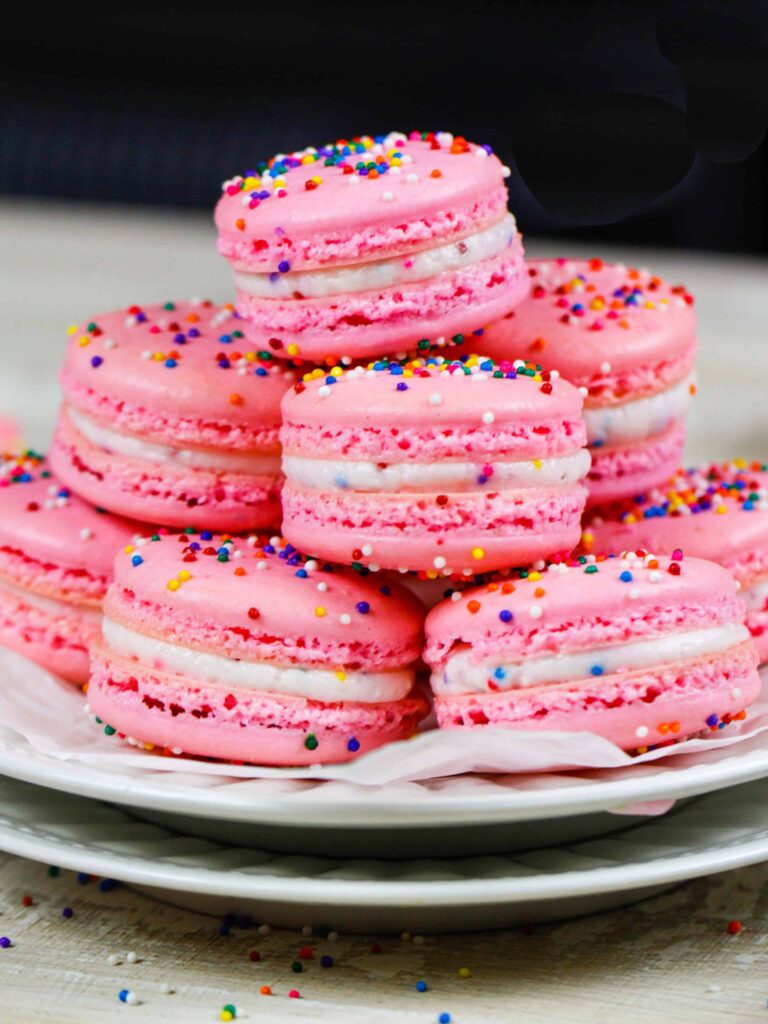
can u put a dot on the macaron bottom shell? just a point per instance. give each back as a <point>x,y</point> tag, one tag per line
<point>370,324</point>
<point>633,710</point>
<point>162,494</point>
<point>469,532</point>
<point>237,724</point>
<point>627,470</point>
<point>57,636</point>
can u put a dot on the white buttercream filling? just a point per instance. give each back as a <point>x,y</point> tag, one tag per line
<point>51,605</point>
<point>645,417</point>
<point>345,474</point>
<point>313,682</point>
<point>363,277</point>
<point>462,674</point>
<point>118,443</point>
<point>755,595</point>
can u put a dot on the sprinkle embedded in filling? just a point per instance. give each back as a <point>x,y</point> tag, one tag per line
<point>420,266</point>
<point>132,446</point>
<point>345,474</point>
<point>313,682</point>
<point>645,417</point>
<point>462,675</point>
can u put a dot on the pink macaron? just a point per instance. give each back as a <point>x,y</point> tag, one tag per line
<point>629,340</point>
<point>637,649</point>
<point>246,651</point>
<point>717,511</point>
<point>56,557</point>
<point>458,466</point>
<point>172,416</point>
<point>372,245</point>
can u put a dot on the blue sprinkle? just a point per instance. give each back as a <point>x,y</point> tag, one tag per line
<point>626,577</point>
<point>444,1018</point>
<point>506,615</point>
<point>402,386</point>
<point>302,574</point>
<point>596,670</point>
<point>283,266</point>
<point>353,745</point>
<point>170,363</point>
<point>712,721</point>
<point>421,986</point>
<point>108,884</point>
<point>326,961</point>
<point>206,535</point>
<point>225,339</point>
<point>180,339</point>
<point>224,929</point>
<point>385,590</point>
<point>260,371</point>
<point>83,878</point>
<point>193,333</point>
<point>499,673</point>
<point>363,607</point>
<point>96,361</point>
<point>122,995</point>
<point>340,482</point>
<point>137,560</point>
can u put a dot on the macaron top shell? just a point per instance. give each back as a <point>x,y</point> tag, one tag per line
<point>359,200</point>
<point>594,321</point>
<point>260,599</point>
<point>173,361</point>
<point>44,523</point>
<point>583,604</point>
<point>435,394</point>
<point>717,511</point>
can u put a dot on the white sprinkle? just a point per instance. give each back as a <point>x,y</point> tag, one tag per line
<point>367,549</point>
<point>435,399</point>
<point>641,732</point>
<point>387,196</point>
<point>395,170</point>
<point>264,929</point>
<point>480,153</point>
<point>583,391</point>
<point>146,354</point>
<point>505,172</point>
<point>108,343</point>
<point>322,586</point>
<point>86,533</point>
<point>439,562</point>
<point>333,936</point>
<point>554,375</point>
<point>456,596</point>
<point>131,957</point>
<point>306,931</point>
<point>605,367</point>
<point>535,611</point>
<point>418,940</point>
<point>324,391</point>
<point>654,576</point>
<point>113,959</point>
<point>132,999</point>
<point>411,178</point>
<point>345,619</point>
<point>354,180</point>
<point>165,989</point>
<point>634,593</point>
<point>175,750</point>
<point>736,693</point>
<point>488,417</point>
<point>373,567</point>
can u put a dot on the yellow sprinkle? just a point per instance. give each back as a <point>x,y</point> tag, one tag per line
<point>226,1015</point>
<point>158,357</point>
<point>642,750</point>
<point>184,576</point>
<point>173,584</point>
<point>464,972</point>
<point>341,675</point>
<point>533,576</point>
<point>83,340</point>
<point>631,518</point>
<point>292,349</point>
<point>72,329</point>
<point>320,611</point>
<point>129,549</point>
<point>478,553</point>
<point>721,509</point>
<point>740,463</point>
<point>336,371</point>
<point>537,463</point>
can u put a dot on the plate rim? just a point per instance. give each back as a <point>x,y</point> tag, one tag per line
<point>234,883</point>
<point>499,807</point>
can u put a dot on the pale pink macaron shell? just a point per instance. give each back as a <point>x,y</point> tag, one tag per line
<point>363,416</point>
<point>57,547</point>
<point>264,614</point>
<point>617,473</point>
<point>726,533</point>
<point>167,377</point>
<point>339,224</point>
<point>636,350</point>
<point>581,610</point>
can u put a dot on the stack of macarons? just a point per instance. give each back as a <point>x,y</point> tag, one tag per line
<point>394,395</point>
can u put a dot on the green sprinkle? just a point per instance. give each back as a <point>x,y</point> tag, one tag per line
<point>311,742</point>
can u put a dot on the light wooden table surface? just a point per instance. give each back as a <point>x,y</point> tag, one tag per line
<point>668,959</point>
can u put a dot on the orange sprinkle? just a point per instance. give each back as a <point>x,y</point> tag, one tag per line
<point>436,173</point>
<point>240,224</point>
<point>236,399</point>
<point>473,607</point>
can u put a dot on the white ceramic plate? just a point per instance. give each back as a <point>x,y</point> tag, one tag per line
<point>713,833</point>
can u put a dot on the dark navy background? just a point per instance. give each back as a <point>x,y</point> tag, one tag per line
<point>632,121</point>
